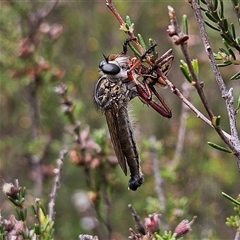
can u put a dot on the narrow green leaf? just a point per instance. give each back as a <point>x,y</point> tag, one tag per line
<point>231,199</point>
<point>129,25</point>
<point>128,21</point>
<point>214,145</point>
<point>224,64</point>
<point>185,24</point>
<point>141,41</point>
<point>215,4</point>
<point>34,210</point>
<point>151,42</point>
<point>216,121</point>
<point>224,51</point>
<point>37,230</point>
<point>237,40</point>
<point>211,26</point>
<point>210,16</point>
<point>238,104</point>
<point>226,38</point>
<point>135,51</point>
<point>43,209</point>
<point>195,66</point>
<point>225,23</point>
<point>232,53</point>
<point>217,56</point>
<point>236,76</point>
<point>185,71</point>
<point>221,11</point>
<point>233,30</point>
<point>203,1</point>
<point>236,3</point>
<point>227,62</point>
<point>203,9</point>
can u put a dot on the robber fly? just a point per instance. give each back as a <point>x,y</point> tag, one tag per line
<point>117,86</point>
<point>113,92</point>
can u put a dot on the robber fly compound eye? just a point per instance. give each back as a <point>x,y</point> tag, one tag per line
<point>102,63</point>
<point>109,68</point>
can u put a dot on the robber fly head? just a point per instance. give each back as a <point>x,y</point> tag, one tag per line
<point>115,67</point>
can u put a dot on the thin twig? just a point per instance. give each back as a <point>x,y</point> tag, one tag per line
<point>122,23</point>
<point>237,236</point>
<point>56,184</point>
<point>140,227</point>
<point>178,93</point>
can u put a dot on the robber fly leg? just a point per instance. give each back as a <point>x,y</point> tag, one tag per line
<point>126,43</point>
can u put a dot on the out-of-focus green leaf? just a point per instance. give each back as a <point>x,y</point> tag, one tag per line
<point>215,5</point>
<point>235,76</point>
<point>141,41</point>
<point>225,64</point>
<point>231,199</point>
<point>221,10</point>
<point>238,103</point>
<point>216,146</point>
<point>237,40</point>
<point>210,16</point>
<point>185,71</point>
<point>225,23</point>
<point>195,66</point>
<point>217,56</point>
<point>224,51</point>
<point>216,121</point>
<point>233,30</point>
<point>211,26</point>
<point>185,24</point>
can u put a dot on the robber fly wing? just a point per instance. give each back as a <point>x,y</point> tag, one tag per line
<point>113,130</point>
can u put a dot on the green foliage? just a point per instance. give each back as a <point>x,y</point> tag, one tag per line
<point>234,221</point>
<point>185,70</point>
<point>219,23</point>
<point>21,225</point>
<point>216,146</point>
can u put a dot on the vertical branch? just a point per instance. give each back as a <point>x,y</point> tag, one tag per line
<point>157,174</point>
<point>28,47</point>
<point>56,184</point>
<point>140,226</point>
<point>237,236</point>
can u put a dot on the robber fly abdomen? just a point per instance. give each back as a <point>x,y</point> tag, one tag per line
<point>129,148</point>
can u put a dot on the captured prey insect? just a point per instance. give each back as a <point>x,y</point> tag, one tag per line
<point>151,77</point>
<point>117,86</point>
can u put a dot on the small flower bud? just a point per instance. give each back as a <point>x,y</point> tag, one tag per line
<point>152,222</point>
<point>184,227</point>
<point>10,190</point>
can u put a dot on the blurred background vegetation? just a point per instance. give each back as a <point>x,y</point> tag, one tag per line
<point>68,47</point>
